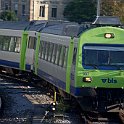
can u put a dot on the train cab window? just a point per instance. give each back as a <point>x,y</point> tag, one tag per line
<point>103,56</point>
<point>90,57</point>
<point>8,43</point>
<point>32,43</point>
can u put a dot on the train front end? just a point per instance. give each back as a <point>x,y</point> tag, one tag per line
<point>100,69</point>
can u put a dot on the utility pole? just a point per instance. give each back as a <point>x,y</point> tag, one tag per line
<point>98,11</point>
<point>98,7</point>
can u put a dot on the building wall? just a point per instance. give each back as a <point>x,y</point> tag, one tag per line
<point>0,6</point>
<point>50,5</point>
<point>21,8</point>
<point>36,9</point>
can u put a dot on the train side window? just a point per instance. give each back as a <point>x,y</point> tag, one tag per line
<point>32,43</point>
<point>18,44</point>
<point>1,45</point>
<point>50,52</point>
<point>65,57</point>
<point>41,49</point>
<point>8,43</point>
<point>54,53</point>
<point>57,54</point>
<point>62,55</point>
<point>12,45</point>
<point>74,56</point>
<point>2,42</point>
<point>46,50</point>
<point>40,53</point>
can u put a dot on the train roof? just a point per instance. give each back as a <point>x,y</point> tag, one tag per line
<point>23,25</point>
<point>63,28</point>
<point>107,20</point>
<point>13,25</point>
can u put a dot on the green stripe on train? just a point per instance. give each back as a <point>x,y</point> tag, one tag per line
<point>36,53</point>
<point>69,64</point>
<point>23,50</point>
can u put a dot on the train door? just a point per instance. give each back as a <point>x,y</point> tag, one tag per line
<point>31,46</point>
<point>36,54</point>
<point>74,63</point>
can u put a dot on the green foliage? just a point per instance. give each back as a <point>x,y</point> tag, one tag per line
<point>113,8</point>
<point>8,16</point>
<point>80,10</point>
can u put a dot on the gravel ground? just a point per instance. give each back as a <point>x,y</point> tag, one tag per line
<point>24,104</point>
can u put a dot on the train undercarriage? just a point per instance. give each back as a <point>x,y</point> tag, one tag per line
<point>105,100</point>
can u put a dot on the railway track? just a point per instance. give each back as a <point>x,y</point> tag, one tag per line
<point>102,118</point>
<point>29,104</point>
<point>42,99</point>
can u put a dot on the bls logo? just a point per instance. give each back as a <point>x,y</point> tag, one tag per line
<point>108,80</point>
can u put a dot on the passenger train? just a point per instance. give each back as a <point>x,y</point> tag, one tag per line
<point>85,61</point>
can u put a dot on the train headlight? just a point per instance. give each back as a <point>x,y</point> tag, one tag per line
<point>109,35</point>
<point>87,79</point>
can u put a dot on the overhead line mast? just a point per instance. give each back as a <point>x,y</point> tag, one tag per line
<point>98,7</point>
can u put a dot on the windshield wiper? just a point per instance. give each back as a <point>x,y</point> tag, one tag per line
<point>95,66</point>
<point>118,67</point>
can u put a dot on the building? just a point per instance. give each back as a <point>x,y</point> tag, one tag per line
<point>36,9</point>
<point>20,7</point>
<point>47,9</point>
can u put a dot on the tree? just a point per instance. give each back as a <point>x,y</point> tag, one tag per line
<point>8,16</point>
<point>113,8</point>
<point>80,10</point>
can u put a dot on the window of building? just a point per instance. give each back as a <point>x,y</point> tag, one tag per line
<point>16,8</point>
<point>54,12</point>
<point>6,6</point>
<point>23,9</point>
<point>42,11</point>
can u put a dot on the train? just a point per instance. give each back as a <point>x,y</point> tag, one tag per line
<point>84,61</point>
